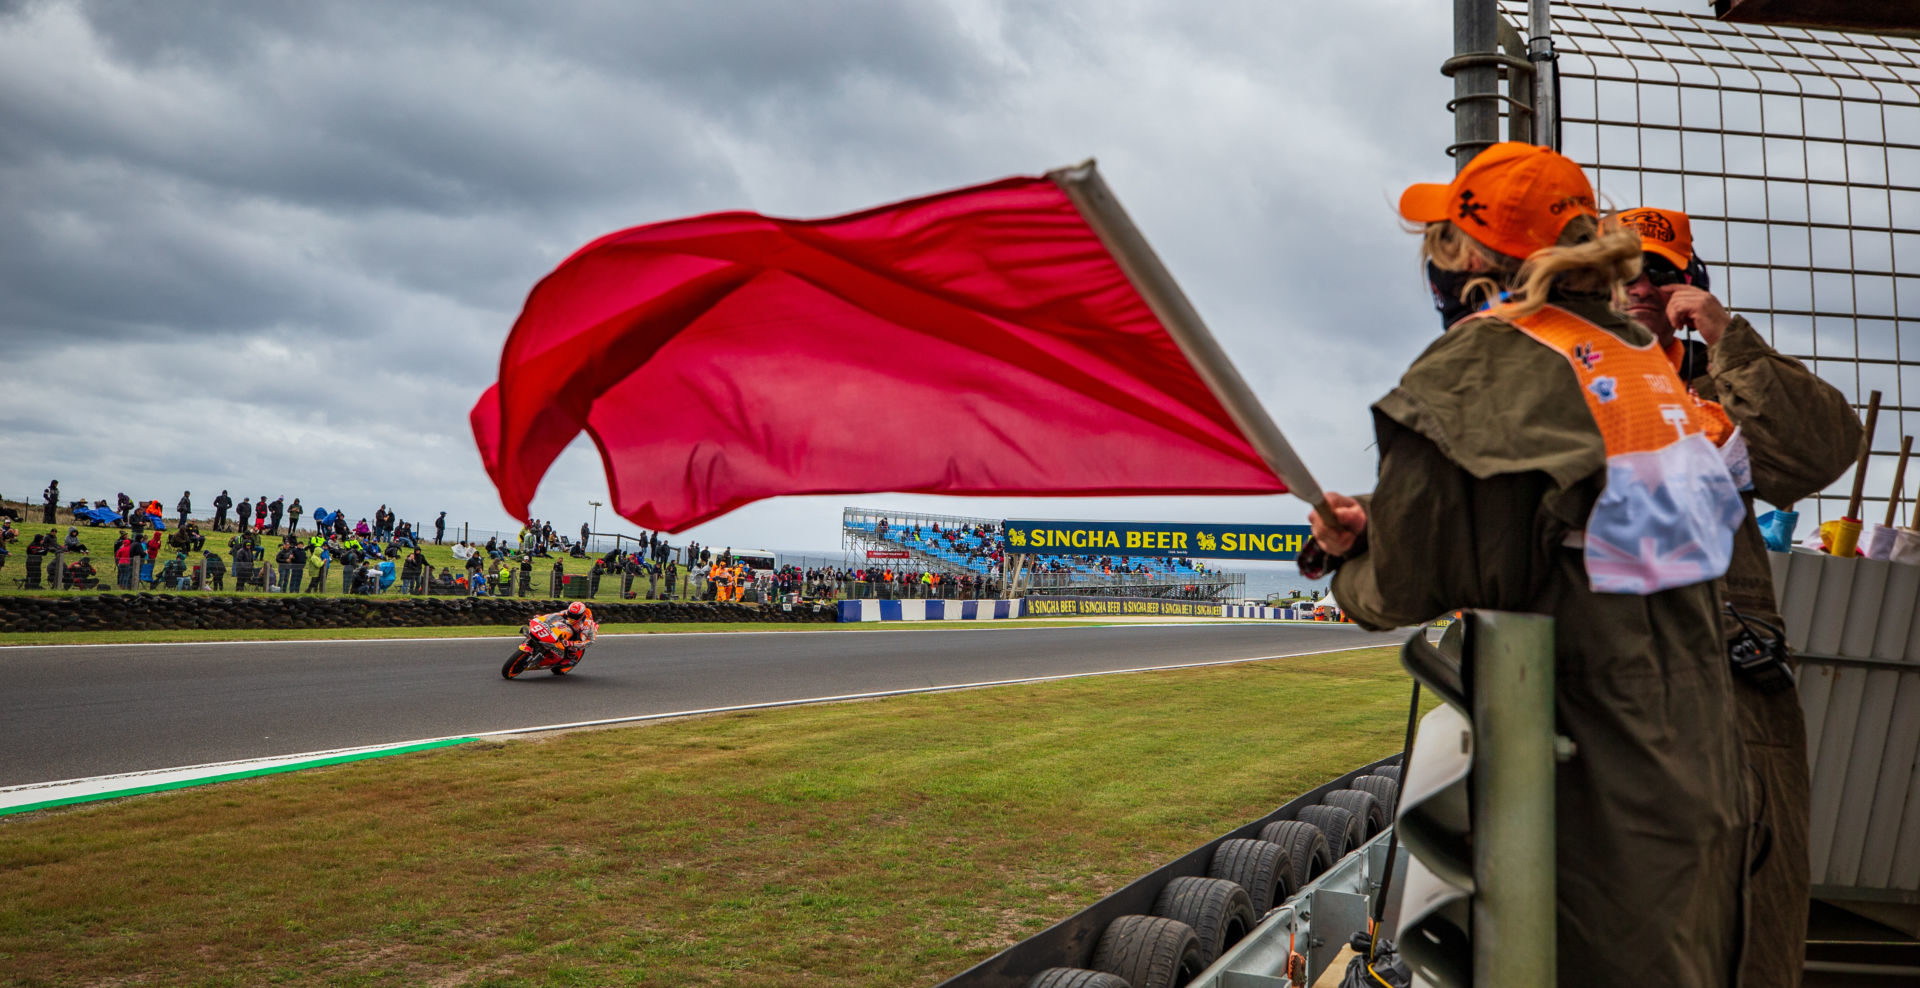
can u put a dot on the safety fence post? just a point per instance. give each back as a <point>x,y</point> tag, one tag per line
<point>1513,865</point>
<point>1476,811</point>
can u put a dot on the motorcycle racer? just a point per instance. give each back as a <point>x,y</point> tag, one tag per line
<point>573,629</point>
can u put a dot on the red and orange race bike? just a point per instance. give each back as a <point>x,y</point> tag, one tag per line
<point>549,646</point>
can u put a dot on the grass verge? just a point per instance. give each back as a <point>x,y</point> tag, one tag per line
<point>883,842</point>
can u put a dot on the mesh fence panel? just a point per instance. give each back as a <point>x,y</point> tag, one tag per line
<point>1797,155</point>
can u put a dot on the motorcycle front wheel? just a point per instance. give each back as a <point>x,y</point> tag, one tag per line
<point>516,664</point>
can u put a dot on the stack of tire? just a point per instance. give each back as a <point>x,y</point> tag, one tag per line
<point>1196,919</point>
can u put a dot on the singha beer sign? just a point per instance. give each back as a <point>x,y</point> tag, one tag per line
<point>1100,538</point>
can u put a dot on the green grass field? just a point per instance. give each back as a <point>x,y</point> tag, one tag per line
<point>889,842</point>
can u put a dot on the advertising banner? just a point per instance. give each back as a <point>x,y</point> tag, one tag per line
<point>1128,538</point>
<point>1135,606</point>
<point>889,554</point>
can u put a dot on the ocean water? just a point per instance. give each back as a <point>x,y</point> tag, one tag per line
<point>1277,578</point>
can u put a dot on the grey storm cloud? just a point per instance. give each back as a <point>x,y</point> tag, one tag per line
<point>287,239</point>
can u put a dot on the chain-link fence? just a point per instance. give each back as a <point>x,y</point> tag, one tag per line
<point>1796,154</point>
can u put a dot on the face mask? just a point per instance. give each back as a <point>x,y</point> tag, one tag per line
<point>1446,287</point>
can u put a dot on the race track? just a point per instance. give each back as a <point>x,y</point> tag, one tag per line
<point>81,711</point>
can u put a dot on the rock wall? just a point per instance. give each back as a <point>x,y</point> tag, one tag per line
<point>106,611</point>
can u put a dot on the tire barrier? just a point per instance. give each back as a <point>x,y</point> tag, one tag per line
<point>167,612</point>
<point>1166,927</point>
<point>1261,867</point>
<point>1383,788</point>
<point>1343,830</point>
<point>1306,849</point>
<point>1074,977</point>
<point>1364,808</point>
<point>1220,912</point>
<point>1149,952</point>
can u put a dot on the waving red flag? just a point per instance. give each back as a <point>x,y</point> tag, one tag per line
<point>980,341</point>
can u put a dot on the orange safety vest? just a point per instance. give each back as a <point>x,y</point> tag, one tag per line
<point>1674,466</point>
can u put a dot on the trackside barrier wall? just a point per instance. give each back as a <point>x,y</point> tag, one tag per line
<point>1851,624</point>
<point>929,610</point>
<point>1070,942</point>
<point>1265,613</point>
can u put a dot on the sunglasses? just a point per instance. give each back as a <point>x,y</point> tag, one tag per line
<point>1660,272</point>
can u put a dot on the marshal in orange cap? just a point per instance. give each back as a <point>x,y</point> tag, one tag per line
<point>1514,198</point>
<point>1664,232</point>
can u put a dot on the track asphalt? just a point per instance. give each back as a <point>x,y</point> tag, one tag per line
<point>80,711</point>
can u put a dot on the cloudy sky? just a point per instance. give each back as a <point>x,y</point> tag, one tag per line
<point>274,247</point>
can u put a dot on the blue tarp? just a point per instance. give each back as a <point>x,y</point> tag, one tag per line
<point>322,516</point>
<point>98,516</point>
<point>387,575</point>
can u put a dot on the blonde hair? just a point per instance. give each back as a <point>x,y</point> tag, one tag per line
<point>1592,256</point>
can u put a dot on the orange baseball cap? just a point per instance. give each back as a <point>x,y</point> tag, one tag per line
<point>1512,197</point>
<point>1665,232</point>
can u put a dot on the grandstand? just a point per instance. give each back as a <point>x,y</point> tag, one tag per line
<point>955,544</point>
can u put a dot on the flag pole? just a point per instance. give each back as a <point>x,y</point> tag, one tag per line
<point>1102,211</point>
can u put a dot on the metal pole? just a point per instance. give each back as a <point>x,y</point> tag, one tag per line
<point>1103,212</point>
<point>1476,82</point>
<point>1520,122</point>
<point>1546,74</point>
<point>1513,818</point>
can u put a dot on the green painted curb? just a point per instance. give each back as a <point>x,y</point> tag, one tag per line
<point>230,776</point>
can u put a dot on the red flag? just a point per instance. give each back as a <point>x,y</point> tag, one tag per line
<point>980,341</point>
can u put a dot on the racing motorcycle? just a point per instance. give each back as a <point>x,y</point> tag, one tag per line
<point>543,647</point>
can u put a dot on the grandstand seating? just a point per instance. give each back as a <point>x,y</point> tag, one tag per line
<point>956,547</point>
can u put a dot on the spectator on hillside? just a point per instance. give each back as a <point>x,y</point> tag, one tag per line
<point>366,578</point>
<point>440,528</point>
<point>221,505</point>
<point>410,571</point>
<point>123,562</point>
<point>283,563</point>
<point>293,516</point>
<point>316,565</point>
<point>73,543</point>
<point>80,573</point>
<point>275,509</point>
<point>36,559</point>
<point>51,499</point>
<point>245,509</point>
<point>444,582</point>
<point>185,507</point>
<point>174,574</point>
<point>216,570</point>
<point>243,564</point>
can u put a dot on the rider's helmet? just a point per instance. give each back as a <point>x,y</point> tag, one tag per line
<point>576,611</point>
